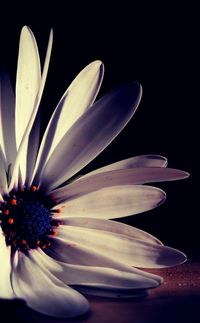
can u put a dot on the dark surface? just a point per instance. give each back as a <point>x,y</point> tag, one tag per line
<point>176,301</point>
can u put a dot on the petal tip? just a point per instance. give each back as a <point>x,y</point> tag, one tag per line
<point>163,197</point>
<point>181,258</point>
<point>82,309</point>
<point>140,88</point>
<point>97,65</point>
<point>25,30</point>
<point>187,174</point>
<point>171,257</point>
<point>183,174</point>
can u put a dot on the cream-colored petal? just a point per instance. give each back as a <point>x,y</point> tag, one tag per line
<point>34,137</point>
<point>5,269</point>
<point>32,151</point>
<point>7,120</point>
<point>3,175</point>
<point>44,292</point>
<point>114,202</point>
<point>27,82</point>
<point>76,100</point>
<point>131,251</point>
<point>101,278</point>
<point>133,162</point>
<point>27,86</point>
<point>109,226</point>
<point>22,151</point>
<point>90,134</point>
<point>117,177</point>
<point>78,254</point>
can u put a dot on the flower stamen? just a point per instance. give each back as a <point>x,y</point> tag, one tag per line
<point>11,220</point>
<point>30,224</point>
<point>13,202</point>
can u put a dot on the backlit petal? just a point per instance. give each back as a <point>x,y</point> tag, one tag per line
<point>96,277</point>
<point>27,87</point>
<point>7,120</point>
<point>133,162</point>
<point>115,178</point>
<point>131,251</point>
<point>22,151</point>
<point>76,100</point>
<point>43,292</point>
<point>109,226</point>
<point>78,254</point>
<point>34,137</point>
<point>114,202</point>
<point>5,269</point>
<point>90,134</point>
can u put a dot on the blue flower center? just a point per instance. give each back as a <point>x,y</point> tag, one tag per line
<point>33,220</point>
<point>26,220</point>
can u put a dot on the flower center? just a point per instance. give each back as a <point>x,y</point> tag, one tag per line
<point>26,220</point>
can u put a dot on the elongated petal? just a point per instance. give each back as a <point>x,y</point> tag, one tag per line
<point>76,100</point>
<point>32,149</point>
<point>116,201</point>
<point>111,292</point>
<point>109,226</point>
<point>95,277</point>
<point>43,292</point>
<point>7,131</point>
<point>34,137</point>
<point>3,175</point>
<point>22,151</point>
<point>90,134</point>
<point>78,254</point>
<point>5,269</point>
<point>7,120</point>
<point>27,86</point>
<point>131,251</point>
<point>28,81</point>
<point>133,162</point>
<point>115,178</point>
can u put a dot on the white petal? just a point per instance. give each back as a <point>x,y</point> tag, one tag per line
<point>114,202</point>
<point>131,251</point>
<point>34,137</point>
<point>76,100</point>
<point>22,151</point>
<point>109,226</point>
<point>7,120</point>
<point>3,175</point>
<point>33,145</point>
<point>45,67</point>
<point>90,134</point>
<point>96,277</point>
<point>7,131</point>
<point>43,292</point>
<point>111,292</point>
<point>78,254</point>
<point>5,269</point>
<point>133,162</point>
<point>27,82</point>
<point>116,178</point>
<point>27,87</point>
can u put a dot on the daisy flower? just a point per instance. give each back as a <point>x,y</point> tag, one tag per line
<point>57,239</point>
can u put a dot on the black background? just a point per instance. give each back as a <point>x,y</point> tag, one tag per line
<point>154,44</point>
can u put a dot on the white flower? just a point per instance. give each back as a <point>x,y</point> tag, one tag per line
<point>43,251</point>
